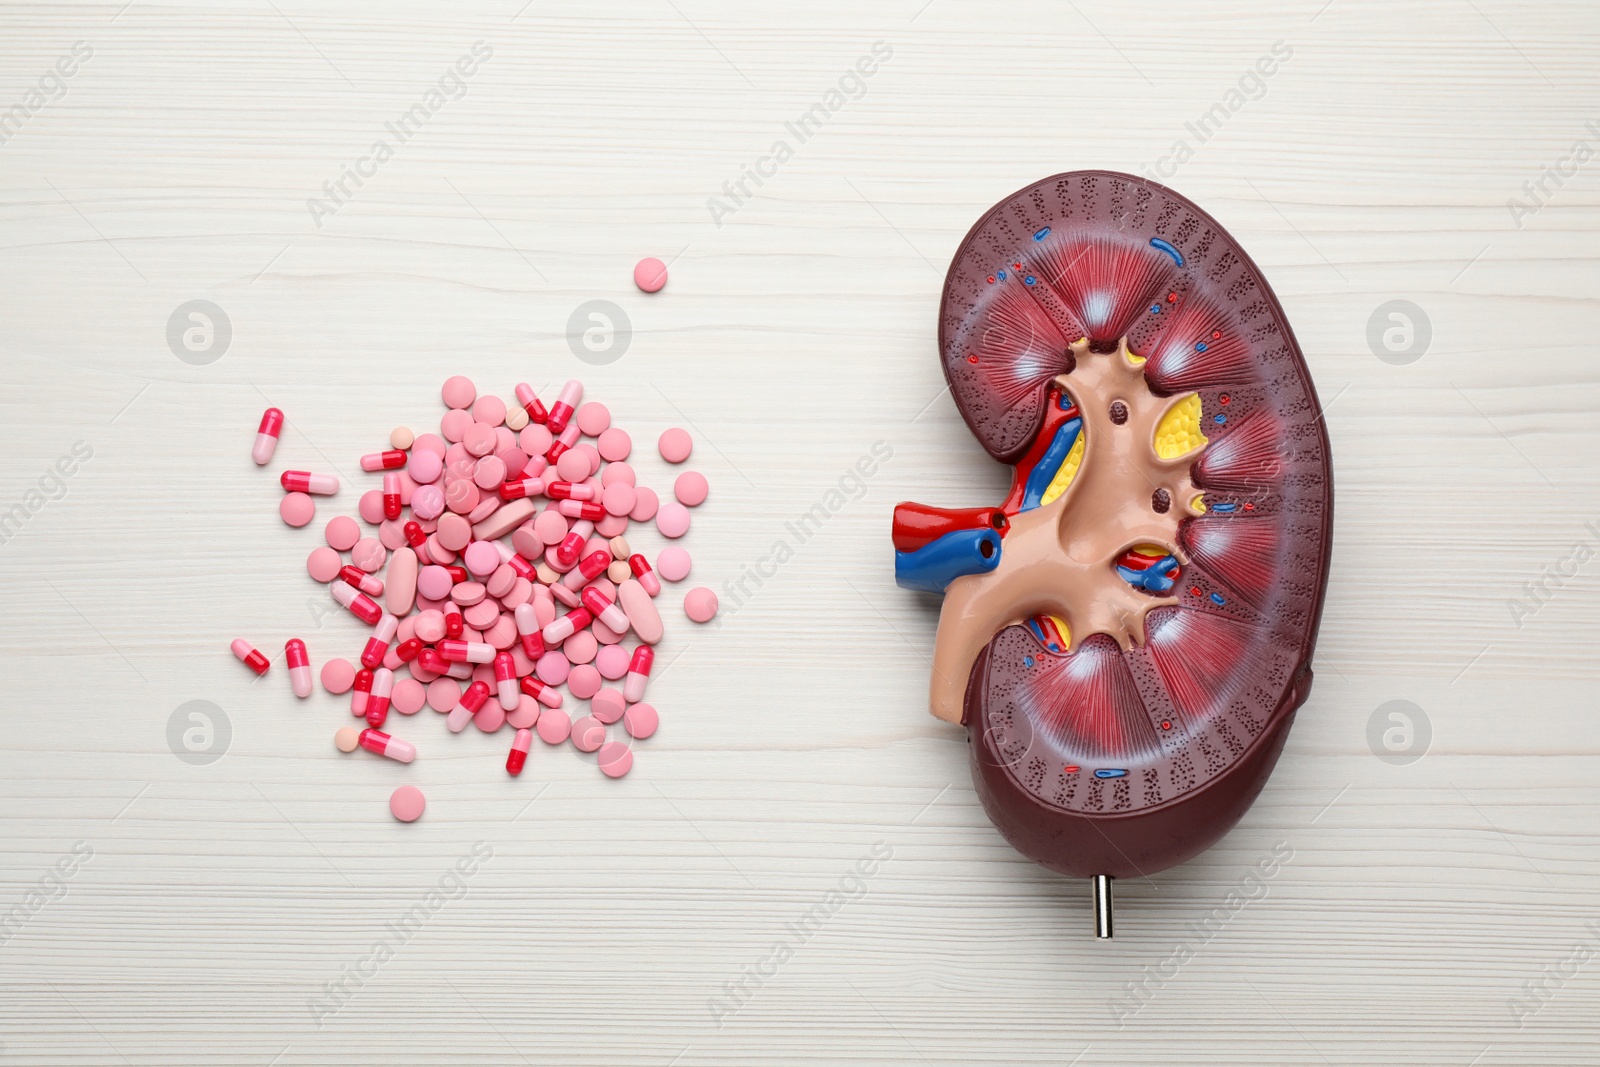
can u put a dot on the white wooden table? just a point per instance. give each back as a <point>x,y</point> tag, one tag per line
<point>221,899</point>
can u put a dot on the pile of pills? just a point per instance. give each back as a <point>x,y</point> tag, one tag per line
<point>489,605</point>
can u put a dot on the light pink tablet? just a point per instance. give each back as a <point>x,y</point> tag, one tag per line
<point>342,532</point>
<point>672,520</point>
<point>607,705</point>
<point>674,563</point>
<point>408,696</point>
<point>588,734</point>
<point>407,803</point>
<point>650,274</point>
<point>612,662</point>
<point>616,759</point>
<point>645,503</point>
<point>675,445</point>
<point>640,721</point>
<point>338,675</point>
<point>583,681</point>
<point>614,445</point>
<point>700,604</point>
<point>553,726</point>
<point>297,509</point>
<point>594,419</point>
<point>323,564</point>
<point>443,694</point>
<point>691,488</point>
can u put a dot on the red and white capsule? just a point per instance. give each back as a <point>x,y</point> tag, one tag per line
<point>390,460</point>
<point>360,604</point>
<point>475,697</point>
<point>307,482</point>
<point>527,621</point>
<point>567,551</point>
<point>249,655</point>
<point>562,444</point>
<point>378,643</point>
<point>582,509</point>
<point>378,701</point>
<point>367,583</point>
<point>505,680</point>
<point>391,495</point>
<point>517,758</point>
<point>522,487</point>
<point>604,610</point>
<point>453,623</point>
<point>570,491</point>
<point>360,692</point>
<point>530,403</point>
<point>588,569</point>
<point>547,695</point>
<point>642,571</point>
<point>466,651</point>
<point>294,650</point>
<point>384,745</point>
<point>519,566</point>
<point>267,436</point>
<point>644,658</point>
<point>408,650</point>
<point>417,538</point>
<point>561,411</point>
<point>570,623</point>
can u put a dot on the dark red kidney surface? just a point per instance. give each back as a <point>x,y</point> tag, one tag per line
<point>1184,727</point>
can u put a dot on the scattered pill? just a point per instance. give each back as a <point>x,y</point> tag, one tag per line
<point>406,803</point>
<point>565,406</point>
<point>347,738</point>
<point>518,756</point>
<point>338,675</point>
<point>640,721</point>
<point>607,705</point>
<point>401,437</point>
<point>588,734</point>
<point>614,445</point>
<point>554,726</point>
<point>650,274</point>
<point>645,504</point>
<point>307,482</point>
<point>594,419</point>
<point>690,488</point>
<point>342,532</point>
<point>267,436</point>
<point>408,696</point>
<point>673,563</point>
<point>374,740</point>
<point>323,564</point>
<point>612,662</point>
<point>458,392</point>
<point>700,604</point>
<point>672,520</point>
<point>249,655</point>
<point>294,652</point>
<point>616,759</point>
<point>297,509</point>
<point>675,445</point>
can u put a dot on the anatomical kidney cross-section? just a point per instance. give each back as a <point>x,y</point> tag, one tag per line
<point>1128,635</point>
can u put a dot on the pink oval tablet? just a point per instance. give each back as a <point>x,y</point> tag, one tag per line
<point>323,564</point>
<point>369,554</point>
<point>455,532</point>
<point>408,696</point>
<point>553,726</point>
<point>573,466</point>
<point>583,681</point>
<point>297,509</point>
<point>454,427</point>
<point>618,472</point>
<point>347,739</point>
<point>672,520</point>
<point>481,558</point>
<point>443,694</point>
<point>607,705</point>
<point>700,604</point>
<point>406,803</point>
<point>479,439</point>
<point>400,581</point>
<point>690,488</point>
<point>581,647</point>
<point>588,734</point>
<point>641,611</point>
<point>673,563</point>
<point>612,662</point>
<point>640,721</point>
<point>675,445</point>
<point>425,466</point>
<point>342,532</point>
<point>458,392</point>
<point>434,583</point>
<point>616,759</point>
<point>550,527</point>
<point>650,274</point>
<point>501,580</point>
<point>619,498</point>
<point>429,627</point>
<point>483,614</point>
<point>614,445</point>
<point>427,502</point>
<point>645,503</point>
<point>370,506</point>
<point>535,439</point>
<point>593,419</point>
<point>338,675</point>
<point>468,593</point>
<point>490,473</point>
<point>489,410</point>
<point>490,717</point>
<point>552,668</point>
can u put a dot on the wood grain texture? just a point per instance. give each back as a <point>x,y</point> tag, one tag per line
<point>1374,164</point>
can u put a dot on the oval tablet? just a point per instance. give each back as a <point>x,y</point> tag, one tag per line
<point>641,611</point>
<point>400,581</point>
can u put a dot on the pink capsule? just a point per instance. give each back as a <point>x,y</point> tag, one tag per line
<point>267,436</point>
<point>359,692</point>
<point>604,610</point>
<point>582,509</point>
<point>387,460</point>
<point>505,679</point>
<point>567,551</point>
<point>294,650</point>
<point>562,444</point>
<point>570,623</point>
<point>589,567</point>
<point>306,482</point>
<point>418,540</point>
<point>408,650</point>
<point>384,745</point>
<point>360,604</point>
<point>430,660</point>
<point>453,625</point>
<point>378,643</point>
<point>523,487</point>
<point>391,495</point>
<point>457,573</point>
<point>475,697</point>
<point>569,491</point>
<point>378,702</point>
<point>530,403</point>
<point>528,629</point>
<point>353,575</point>
<point>517,758</point>
<point>249,656</point>
<point>644,658</point>
<point>647,577</point>
<point>548,695</point>
<point>466,651</point>
<point>519,566</point>
<point>564,406</point>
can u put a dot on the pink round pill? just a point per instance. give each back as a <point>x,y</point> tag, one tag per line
<point>297,509</point>
<point>338,675</point>
<point>552,668</point>
<point>525,714</point>
<point>481,558</point>
<point>434,583</point>
<point>673,563</point>
<point>650,274</point>
<point>428,442</point>
<point>427,502</point>
<point>489,410</point>
<point>640,721</point>
<point>535,439</point>
<point>454,532</point>
<point>700,604</point>
<point>370,506</point>
<point>612,662</point>
<point>672,520</point>
<point>369,554</point>
<point>454,426</point>
<point>479,439</point>
<point>607,705</point>
<point>573,466</point>
<point>407,803</point>
<point>583,681</point>
<point>490,717</point>
<point>619,498</point>
<point>690,488</point>
<point>581,647</point>
<point>614,445</point>
<point>342,532</point>
<point>550,527</point>
<point>618,472</point>
<point>593,419</point>
<point>616,759</point>
<point>429,626</point>
<point>458,392</point>
<point>645,503</point>
<point>461,496</point>
<point>425,466</point>
<point>675,445</point>
<point>588,734</point>
<point>490,472</point>
<point>553,726</point>
<point>323,564</point>
<point>408,696</point>
<point>443,694</point>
